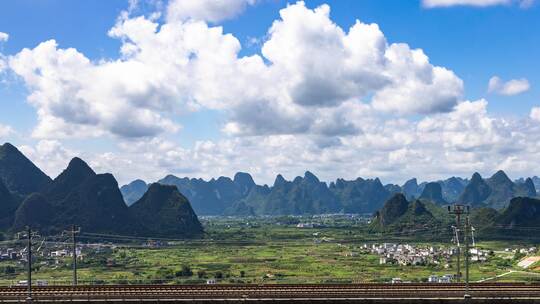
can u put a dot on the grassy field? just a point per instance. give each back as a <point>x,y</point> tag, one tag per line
<point>236,252</point>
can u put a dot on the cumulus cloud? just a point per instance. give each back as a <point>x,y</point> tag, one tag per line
<point>4,37</point>
<point>464,140</point>
<point>477,3</point>
<point>459,142</point>
<point>467,128</point>
<point>51,156</point>
<point>3,63</point>
<point>326,65</point>
<point>309,68</point>
<point>207,10</point>
<point>417,87</point>
<point>77,97</point>
<point>535,113</point>
<point>317,96</point>
<point>509,88</point>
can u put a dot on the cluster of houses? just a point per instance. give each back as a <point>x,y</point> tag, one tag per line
<point>11,253</point>
<point>55,253</point>
<point>529,250</point>
<point>50,254</point>
<point>411,255</point>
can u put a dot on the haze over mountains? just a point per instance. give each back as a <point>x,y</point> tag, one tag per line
<point>308,195</point>
<point>495,192</point>
<point>169,207</point>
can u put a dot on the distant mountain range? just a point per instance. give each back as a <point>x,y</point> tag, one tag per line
<point>495,192</point>
<point>308,195</point>
<point>92,201</point>
<point>419,217</point>
<point>535,180</point>
<point>170,207</point>
<point>303,195</point>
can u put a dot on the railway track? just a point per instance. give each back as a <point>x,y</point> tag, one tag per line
<point>308,293</point>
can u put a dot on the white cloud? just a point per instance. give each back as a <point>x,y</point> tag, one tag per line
<point>313,66</point>
<point>418,87</point>
<point>207,10</point>
<point>465,140</point>
<point>51,156</point>
<point>76,96</point>
<point>535,113</point>
<point>509,88</point>
<point>5,131</point>
<point>4,37</point>
<point>319,97</point>
<point>460,142</point>
<point>477,3</point>
<point>3,64</point>
<point>467,128</point>
<point>326,66</point>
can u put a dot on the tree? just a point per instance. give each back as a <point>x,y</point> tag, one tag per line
<point>201,274</point>
<point>8,269</point>
<point>185,272</point>
<point>518,256</point>
<point>164,273</point>
<point>242,273</point>
<point>218,275</point>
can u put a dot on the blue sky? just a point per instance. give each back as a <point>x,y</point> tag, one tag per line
<point>476,42</point>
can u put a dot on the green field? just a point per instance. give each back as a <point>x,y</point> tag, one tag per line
<point>236,252</point>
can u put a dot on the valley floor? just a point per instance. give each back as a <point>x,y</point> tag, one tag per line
<point>267,251</point>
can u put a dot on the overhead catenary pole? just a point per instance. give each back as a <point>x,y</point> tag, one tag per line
<point>29,257</point>
<point>457,210</point>
<point>73,233</point>
<point>467,253</point>
<point>458,251</point>
<point>28,233</point>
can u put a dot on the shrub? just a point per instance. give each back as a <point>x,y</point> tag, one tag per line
<point>8,269</point>
<point>164,273</point>
<point>185,272</point>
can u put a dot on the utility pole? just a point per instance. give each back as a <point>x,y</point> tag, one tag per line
<point>459,210</point>
<point>458,246</point>
<point>29,234</point>
<point>29,257</point>
<point>467,254</point>
<point>73,233</point>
